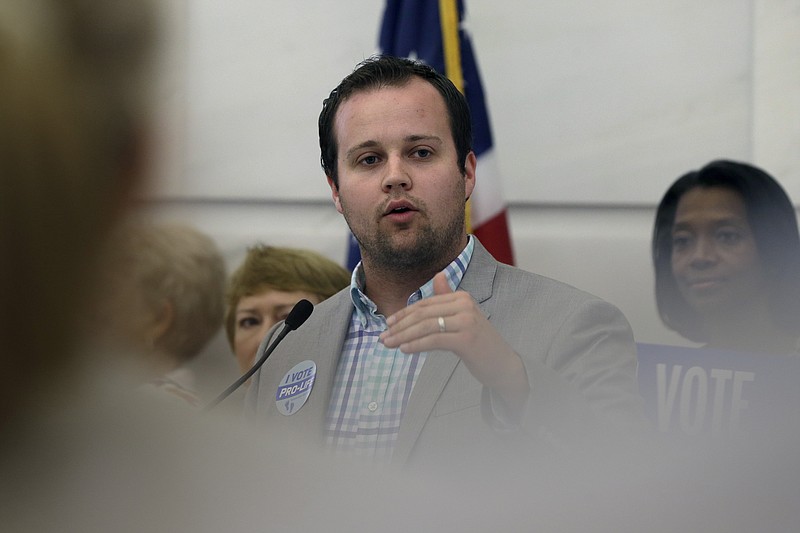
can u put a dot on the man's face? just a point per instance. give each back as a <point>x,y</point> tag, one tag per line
<point>400,188</point>
<point>715,260</point>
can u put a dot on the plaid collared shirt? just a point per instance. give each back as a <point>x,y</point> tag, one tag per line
<point>373,383</point>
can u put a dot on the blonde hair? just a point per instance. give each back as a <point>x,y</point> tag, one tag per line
<point>176,264</point>
<point>282,269</point>
<point>71,106</point>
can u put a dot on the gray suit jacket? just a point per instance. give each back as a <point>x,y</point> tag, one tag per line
<point>578,352</point>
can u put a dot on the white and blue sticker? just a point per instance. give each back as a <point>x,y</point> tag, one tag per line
<point>295,387</point>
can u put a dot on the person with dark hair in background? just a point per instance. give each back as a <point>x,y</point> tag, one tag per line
<point>436,343</point>
<point>726,253</point>
<point>265,287</point>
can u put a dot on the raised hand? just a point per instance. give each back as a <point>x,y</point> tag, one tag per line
<point>451,320</point>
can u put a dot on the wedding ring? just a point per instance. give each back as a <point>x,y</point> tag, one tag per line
<point>442,327</point>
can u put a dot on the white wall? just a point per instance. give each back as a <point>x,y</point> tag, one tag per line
<point>596,108</point>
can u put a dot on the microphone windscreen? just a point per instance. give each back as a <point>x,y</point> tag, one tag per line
<point>299,314</point>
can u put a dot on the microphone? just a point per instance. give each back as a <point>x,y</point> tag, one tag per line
<point>297,316</point>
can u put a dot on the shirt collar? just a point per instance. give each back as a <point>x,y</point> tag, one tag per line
<point>366,308</point>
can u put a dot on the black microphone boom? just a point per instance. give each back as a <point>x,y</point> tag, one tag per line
<point>299,314</point>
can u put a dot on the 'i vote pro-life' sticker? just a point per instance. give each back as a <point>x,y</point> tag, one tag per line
<point>295,387</point>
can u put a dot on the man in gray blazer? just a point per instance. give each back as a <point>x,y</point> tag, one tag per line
<point>436,350</point>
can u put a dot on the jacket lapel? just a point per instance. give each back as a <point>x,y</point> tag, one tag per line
<point>327,345</point>
<point>439,365</point>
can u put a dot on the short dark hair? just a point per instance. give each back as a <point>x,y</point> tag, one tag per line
<point>773,220</point>
<point>389,71</point>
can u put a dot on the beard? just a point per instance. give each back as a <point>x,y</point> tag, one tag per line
<point>430,248</point>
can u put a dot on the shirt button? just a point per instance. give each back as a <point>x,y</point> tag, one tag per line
<point>372,406</point>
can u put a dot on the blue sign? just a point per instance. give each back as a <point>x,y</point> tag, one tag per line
<point>701,391</point>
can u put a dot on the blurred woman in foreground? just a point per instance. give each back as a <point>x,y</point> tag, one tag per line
<point>73,123</point>
<point>80,450</point>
